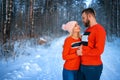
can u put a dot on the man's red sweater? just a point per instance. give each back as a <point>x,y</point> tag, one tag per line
<point>93,45</point>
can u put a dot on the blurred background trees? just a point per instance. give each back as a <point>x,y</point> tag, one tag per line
<point>20,19</point>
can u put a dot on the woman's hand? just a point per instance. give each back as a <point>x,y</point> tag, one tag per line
<point>79,51</point>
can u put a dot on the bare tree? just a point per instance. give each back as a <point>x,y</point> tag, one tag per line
<point>118,18</point>
<point>31,18</point>
<point>4,20</point>
<point>7,12</point>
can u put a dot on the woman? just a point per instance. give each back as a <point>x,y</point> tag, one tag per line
<point>70,47</point>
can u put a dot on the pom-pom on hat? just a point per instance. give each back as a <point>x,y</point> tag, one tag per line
<point>69,26</point>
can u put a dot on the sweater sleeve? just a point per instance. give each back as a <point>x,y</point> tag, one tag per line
<point>99,45</point>
<point>66,51</point>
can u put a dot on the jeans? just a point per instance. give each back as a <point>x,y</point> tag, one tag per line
<point>90,72</point>
<point>70,74</point>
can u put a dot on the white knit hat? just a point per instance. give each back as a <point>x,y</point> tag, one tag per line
<point>69,26</point>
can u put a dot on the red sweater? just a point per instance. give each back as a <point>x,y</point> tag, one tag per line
<point>93,45</point>
<point>72,60</point>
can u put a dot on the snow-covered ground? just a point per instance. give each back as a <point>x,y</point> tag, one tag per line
<point>45,62</point>
<point>111,61</point>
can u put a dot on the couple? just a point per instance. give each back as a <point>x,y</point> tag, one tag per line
<point>82,54</point>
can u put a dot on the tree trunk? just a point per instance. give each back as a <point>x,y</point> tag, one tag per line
<point>118,12</point>
<point>4,20</point>
<point>9,15</point>
<point>31,19</point>
<point>7,11</point>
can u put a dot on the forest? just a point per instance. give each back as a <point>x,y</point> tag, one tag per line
<point>32,19</point>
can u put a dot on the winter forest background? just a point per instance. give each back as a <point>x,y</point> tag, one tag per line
<point>31,36</point>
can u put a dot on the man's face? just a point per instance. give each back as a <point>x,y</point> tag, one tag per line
<point>85,20</point>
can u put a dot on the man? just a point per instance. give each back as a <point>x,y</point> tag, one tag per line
<point>93,42</point>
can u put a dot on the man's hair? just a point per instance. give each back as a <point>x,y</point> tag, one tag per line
<point>89,11</point>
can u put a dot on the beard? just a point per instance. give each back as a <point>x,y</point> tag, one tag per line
<point>87,23</point>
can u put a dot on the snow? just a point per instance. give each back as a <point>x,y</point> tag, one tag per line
<point>88,2</point>
<point>111,61</point>
<point>44,62</point>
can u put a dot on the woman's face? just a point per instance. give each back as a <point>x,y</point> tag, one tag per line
<point>76,28</point>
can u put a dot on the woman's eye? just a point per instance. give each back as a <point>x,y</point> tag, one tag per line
<point>75,25</point>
